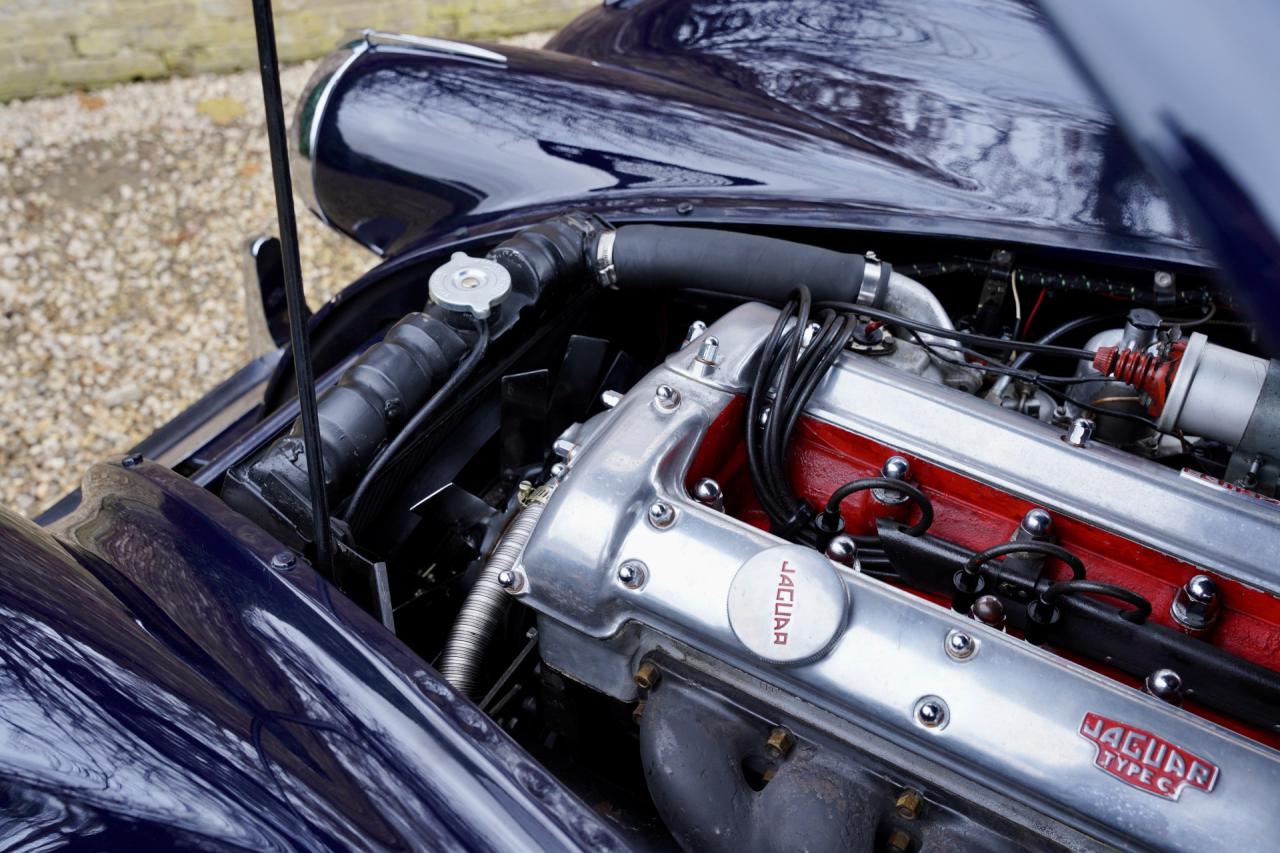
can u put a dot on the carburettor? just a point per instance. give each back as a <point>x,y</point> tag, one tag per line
<point>790,700</point>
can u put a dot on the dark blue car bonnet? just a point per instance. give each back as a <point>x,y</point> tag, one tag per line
<point>938,117</point>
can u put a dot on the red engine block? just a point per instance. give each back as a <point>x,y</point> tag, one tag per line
<point>977,516</point>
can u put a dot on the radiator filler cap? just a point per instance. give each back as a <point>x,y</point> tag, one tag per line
<point>469,285</point>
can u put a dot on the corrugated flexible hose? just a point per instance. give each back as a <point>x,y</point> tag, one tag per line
<point>482,613</point>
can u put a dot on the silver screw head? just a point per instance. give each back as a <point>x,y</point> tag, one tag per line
<point>507,579</point>
<point>632,574</point>
<point>843,550</point>
<point>896,468</point>
<point>931,712</point>
<point>1037,522</point>
<point>709,350</point>
<point>1202,589</point>
<point>666,398</point>
<point>1197,604</point>
<point>696,330</point>
<point>284,561</point>
<point>708,492</point>
<point>661,514</point>
<point>960,646</point>
<point>1080,432</point>
<point>1165,684</point>
<point>1163,279</point>
<point>558,470</point>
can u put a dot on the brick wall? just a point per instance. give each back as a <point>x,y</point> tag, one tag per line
<point>49,46</point>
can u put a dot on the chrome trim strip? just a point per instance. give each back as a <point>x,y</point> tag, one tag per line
<point>435,45</point>
<point>310,195</point>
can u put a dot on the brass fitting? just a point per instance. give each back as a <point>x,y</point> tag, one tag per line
<point>647,676</point>
<point>909,804</point>
<point>780,743</point>
<point>897,842</point>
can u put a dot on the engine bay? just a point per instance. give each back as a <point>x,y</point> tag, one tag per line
<point>769,543</point>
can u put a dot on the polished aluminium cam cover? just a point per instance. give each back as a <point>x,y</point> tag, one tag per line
<point>1013,718</point>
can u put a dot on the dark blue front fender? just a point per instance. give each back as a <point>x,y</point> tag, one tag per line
<point>162,685</point>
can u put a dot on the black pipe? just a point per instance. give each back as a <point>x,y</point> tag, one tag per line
<point>745,265</point>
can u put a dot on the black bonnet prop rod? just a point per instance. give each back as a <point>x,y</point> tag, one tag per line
<point>299,335</point>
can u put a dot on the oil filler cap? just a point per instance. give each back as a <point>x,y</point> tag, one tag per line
<point>469,285</point>
<point>788,604</point>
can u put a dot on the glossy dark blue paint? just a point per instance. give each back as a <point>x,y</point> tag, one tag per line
<point>945,117</point>
<point>161,685</point>
<point>1195,93</point>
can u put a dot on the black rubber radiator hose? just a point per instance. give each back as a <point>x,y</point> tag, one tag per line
<point>746,265</point>
<point>370,402</point>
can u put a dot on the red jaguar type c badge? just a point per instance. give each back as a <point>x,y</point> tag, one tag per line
<point>1144,760</point>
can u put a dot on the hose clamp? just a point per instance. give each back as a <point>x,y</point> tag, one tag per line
<point>606,273</point>
<point>875,279</point>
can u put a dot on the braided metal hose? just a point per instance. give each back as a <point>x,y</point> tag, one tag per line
<point>481,614</point>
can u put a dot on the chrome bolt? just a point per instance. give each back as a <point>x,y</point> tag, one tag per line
<point>661,514</point>
<point>960,646</point>
<point>564,448</point>
<point>931,712</point>
<point>1196,605</point>
<point>610,398</point>
<point>284,561</point>
<point>896,468</point>
<point>1163,280</point>
<point>666,398</point>
<point>779,743</point>
<point>843,550</point>
<point>558,470</point>
<point>1165,684</point>
<point>709,350</point>
<point>1037,522</point>
<point>708,493</point>
<point>696,330</point>
<point>511,580</point>
<point>632,574</point>
<point>988,610</point>
<point>131,460</point>
<point>1080,433</point>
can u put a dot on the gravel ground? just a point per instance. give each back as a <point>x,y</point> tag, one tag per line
<point>122,216</point>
